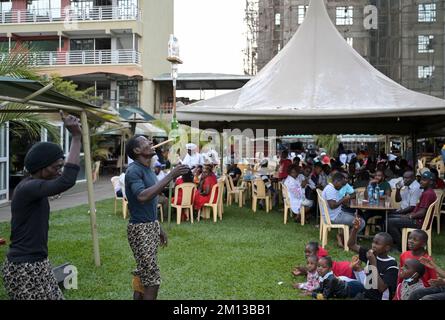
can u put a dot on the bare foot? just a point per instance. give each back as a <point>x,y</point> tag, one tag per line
<point>296,272</point>
<point>296,285</point>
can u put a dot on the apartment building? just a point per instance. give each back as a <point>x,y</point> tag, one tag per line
<point>408,44</point>
<point>116,46</point>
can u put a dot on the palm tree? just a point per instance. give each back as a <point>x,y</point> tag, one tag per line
<point>18,65</point>
<point>327,142</point>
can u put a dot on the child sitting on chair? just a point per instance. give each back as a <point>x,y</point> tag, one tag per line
<point>312,281</point>
<point>340,268</point>
<point>411,275</point>
<point>333,287</point>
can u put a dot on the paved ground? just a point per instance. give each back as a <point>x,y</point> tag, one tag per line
<point>76,196</point>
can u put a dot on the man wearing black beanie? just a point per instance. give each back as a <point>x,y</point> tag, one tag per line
<point>27,273</point>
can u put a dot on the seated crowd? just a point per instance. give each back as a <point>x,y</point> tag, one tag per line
<point>371,274</point>
<point>416,277</point>
<point>413,193</point>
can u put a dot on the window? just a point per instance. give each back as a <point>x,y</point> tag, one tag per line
<point>426,72</point>
<point>350,41</point>
<point>277,19</point>
<point>81,9</point>
<point>301,13</point>
<point>103,3</point>
<point>127,3</point>
<point>128,8</point>
<point>41,45</point>
<point>45,7</point>
<point>427,12</point>
<point>128,93</point>
<point>426,44</point>
<point>5,6</point>
<point>344,16</point>
<point>82,44</point>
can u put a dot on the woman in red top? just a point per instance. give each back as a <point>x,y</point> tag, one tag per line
<point>203,193</point>
<point>416,244</point>
<point>285,163</point>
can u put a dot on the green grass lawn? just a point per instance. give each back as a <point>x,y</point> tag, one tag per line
<point>245,256</point>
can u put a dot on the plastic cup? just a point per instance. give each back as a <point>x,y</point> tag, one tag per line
<point>359,199</point>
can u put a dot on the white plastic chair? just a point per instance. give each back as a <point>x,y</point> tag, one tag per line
<point>326,224</point>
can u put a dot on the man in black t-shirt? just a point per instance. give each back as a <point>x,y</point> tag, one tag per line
<point>381,269</point>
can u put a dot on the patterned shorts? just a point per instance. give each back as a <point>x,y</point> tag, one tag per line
<point>144,242</point>
<point>31,281</point>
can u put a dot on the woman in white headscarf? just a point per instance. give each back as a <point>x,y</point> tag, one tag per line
<point>192,158</point>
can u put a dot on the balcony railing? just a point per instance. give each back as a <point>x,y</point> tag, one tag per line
<point>80,57</point>
<point>69,15</point>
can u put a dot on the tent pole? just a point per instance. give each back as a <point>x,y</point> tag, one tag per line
<point>387,148</point>
<point>414,148</point>
<point>221,150</point>
<point>89,176</point>
<point>122,153</point>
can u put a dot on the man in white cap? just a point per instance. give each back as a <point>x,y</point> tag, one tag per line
<point>192,158</point>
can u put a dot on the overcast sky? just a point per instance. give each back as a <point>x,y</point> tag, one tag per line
<point>211,35</point>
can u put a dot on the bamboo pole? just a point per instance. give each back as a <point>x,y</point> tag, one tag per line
<point>33,95</point>
<point>122,153</point>
<point>56,105</point>
<point>43,104</point>
<point>89,176</point>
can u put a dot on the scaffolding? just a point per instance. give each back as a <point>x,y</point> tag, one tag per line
<point>251,50</point>
<point>393,48</point>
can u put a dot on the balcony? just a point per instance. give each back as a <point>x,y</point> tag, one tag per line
<point>71,15</point>
<point>80,57</point>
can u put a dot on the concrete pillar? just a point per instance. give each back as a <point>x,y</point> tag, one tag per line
<point>113,92</point>
<point>9,35</point>
<point>59,33</point>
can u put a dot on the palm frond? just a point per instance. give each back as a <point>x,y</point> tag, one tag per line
<point>18,64</point>
<point>328,142</point>
<point>32,123</point>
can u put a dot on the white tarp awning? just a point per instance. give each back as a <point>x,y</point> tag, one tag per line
<point>317,75</point>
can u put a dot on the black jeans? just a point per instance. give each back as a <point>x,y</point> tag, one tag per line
<point>428,294</point>
<point>396,222</point>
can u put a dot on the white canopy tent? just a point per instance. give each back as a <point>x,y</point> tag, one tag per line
<point>318,76</point>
